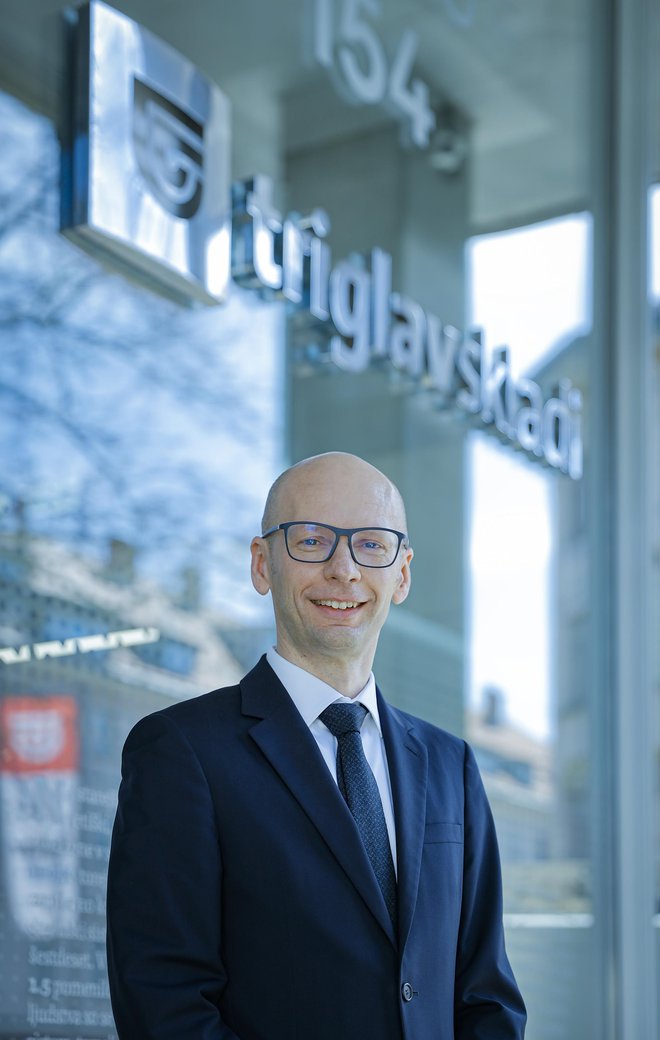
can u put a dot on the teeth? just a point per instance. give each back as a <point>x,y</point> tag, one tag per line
<point>335,603</point>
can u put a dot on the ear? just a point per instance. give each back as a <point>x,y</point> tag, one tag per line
<point>260,566</point>
<point>403,586</point>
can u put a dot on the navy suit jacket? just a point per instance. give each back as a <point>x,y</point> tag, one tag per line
<point>242,905</point>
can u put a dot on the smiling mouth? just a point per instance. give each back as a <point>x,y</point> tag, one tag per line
<point>337,604</point>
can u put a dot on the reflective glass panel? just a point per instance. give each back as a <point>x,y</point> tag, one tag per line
<point>529,704</point>
<point>139,439</point>
<point>425,146</point>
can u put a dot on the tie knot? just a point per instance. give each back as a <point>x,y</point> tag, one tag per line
<point>343,718</point>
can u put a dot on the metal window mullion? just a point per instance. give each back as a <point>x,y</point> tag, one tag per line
<point>636,969</point>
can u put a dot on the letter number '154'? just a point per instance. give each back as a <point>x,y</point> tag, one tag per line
<point>346,42</point>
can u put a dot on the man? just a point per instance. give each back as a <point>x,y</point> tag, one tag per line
<point>292,858</point>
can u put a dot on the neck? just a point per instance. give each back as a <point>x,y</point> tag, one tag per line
<point>347,677</point>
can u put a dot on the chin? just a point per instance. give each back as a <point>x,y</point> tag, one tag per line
<point>341,638</point>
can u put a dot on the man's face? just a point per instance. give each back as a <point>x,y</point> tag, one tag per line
<point>344,492</point>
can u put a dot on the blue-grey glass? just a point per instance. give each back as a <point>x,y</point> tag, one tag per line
<point>126,510</point>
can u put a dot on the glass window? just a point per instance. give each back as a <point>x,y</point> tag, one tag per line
<point>493,229</point>
<point>528,607</point>
<point>456,141</point>
<point>139,439</point>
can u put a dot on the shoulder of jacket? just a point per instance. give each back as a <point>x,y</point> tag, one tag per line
<point>194,713</point>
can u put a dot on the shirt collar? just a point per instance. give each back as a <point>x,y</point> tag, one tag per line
<point>312,695</point>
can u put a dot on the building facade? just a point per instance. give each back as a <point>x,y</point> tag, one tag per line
<point>428,233</point>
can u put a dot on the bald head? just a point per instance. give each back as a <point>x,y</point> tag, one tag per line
<point>342,488</point>
<point>329,611</point>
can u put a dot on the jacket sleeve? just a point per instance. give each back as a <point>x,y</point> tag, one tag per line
<point>164,893</point>
<point>488,1004</point>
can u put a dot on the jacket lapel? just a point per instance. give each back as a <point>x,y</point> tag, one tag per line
<point>407,761</point>
<point>285,740</point>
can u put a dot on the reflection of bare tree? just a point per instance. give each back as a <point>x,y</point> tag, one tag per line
<point>126,414</point>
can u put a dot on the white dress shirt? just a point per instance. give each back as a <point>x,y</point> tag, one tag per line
<point>311,696</point>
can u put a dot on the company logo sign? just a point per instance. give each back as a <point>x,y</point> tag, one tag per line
<point>146,127</point>
<point>153,190</point>
<point>39,761</point>
<point>38,734</point>
<point>349,312</point>
<point>169,149</point>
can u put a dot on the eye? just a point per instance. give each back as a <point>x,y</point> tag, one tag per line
<point>310,541</point>
<point>370,545</point>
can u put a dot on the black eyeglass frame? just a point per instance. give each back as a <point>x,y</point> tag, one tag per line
<point>338,532</point>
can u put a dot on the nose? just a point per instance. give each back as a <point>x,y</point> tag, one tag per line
<point>341,564</point>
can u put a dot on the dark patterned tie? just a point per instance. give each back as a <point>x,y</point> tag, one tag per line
<point>358,785</point>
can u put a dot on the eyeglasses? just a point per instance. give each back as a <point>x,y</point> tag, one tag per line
<point>309,542</point>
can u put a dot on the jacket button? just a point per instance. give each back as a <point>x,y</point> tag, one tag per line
<point>407,992</point>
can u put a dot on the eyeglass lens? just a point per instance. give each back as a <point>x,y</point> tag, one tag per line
<point>314,543</point>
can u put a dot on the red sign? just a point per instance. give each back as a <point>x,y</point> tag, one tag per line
<point>38,734</point>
